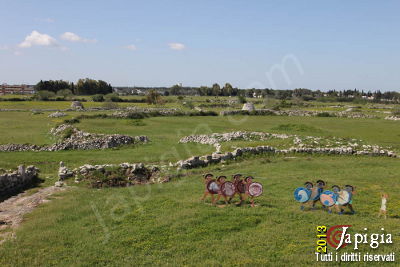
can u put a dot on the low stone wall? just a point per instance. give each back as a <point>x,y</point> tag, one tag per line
<point>13,181</point>
<point>203,161</point>
<point>297,113</point>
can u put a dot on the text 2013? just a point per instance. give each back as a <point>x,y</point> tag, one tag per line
<point>321,241</point>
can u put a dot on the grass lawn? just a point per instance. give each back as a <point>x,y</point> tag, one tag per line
<point>167,224</point>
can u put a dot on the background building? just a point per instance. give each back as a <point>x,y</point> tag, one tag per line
<point>22,89</point>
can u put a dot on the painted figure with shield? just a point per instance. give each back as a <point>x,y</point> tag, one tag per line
<point>211,187</point>
<point>240,188</point>
<point>346,198</point>
<point>226,188</point>
<point>310,193</point>
<point>328,199</point>
<point>253,189</point>
<point>316,192</point>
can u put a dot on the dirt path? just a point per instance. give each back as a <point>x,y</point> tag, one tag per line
<point>13,209</point>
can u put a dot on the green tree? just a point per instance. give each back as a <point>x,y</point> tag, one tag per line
<point>65,93</point>
<point>216,89</point>
<point>175,90</point>
<point>90,87</point>
<point>52,86</point>
<point>227,90</point>
<point>153,98</point>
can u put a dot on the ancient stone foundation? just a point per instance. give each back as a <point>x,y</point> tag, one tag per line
<point>13,181</point>
<point>121,175</point>
<point>75,139</point>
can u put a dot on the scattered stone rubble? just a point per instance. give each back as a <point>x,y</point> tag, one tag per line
<point>64,172</point>
<point>13,181</point>
<point>77,105</point>
<point>78,140</point>
<point>248,106</point>
<point>124,174</point>
<point>215,138</point>
<point>392,118</point>
<point>57,114</point>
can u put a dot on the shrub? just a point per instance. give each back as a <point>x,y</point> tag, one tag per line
<point>71,121</point>
<point>16,99</point>
<point>112,98</point>
<point>242,99</point>
<point>43,95</point>
<point>98,98</point>
<point>67,133</point>
<point>325,114</point>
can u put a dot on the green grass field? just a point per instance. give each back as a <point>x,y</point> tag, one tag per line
<point>167,224</point>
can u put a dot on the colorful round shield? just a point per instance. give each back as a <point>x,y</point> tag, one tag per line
<point>228,189</point>
<point>328,198</point>
<point>212,187</point>
<point>255,189</point>
<point>302,194</point>
<point>344,197</point>
<point>241,187</point>
<point>315,193</point>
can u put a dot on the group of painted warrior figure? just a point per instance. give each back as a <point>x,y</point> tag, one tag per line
<point>335,198</point>
<point>220,187</point>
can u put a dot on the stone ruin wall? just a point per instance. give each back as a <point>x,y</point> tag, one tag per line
<point>13,181</point>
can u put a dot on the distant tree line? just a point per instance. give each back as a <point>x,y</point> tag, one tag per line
<point>98,87</point>
<point>303,94</point>
<point>82,87</point>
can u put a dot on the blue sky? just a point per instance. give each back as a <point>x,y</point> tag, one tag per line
<point>275,44</point>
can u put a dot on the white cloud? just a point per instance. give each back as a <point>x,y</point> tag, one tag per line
<point>3,47</point>
<point>176,46</point>
<point>72,37</point>
<point>131,47</point>
<point>17,53</point>
<point>37,38</point>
